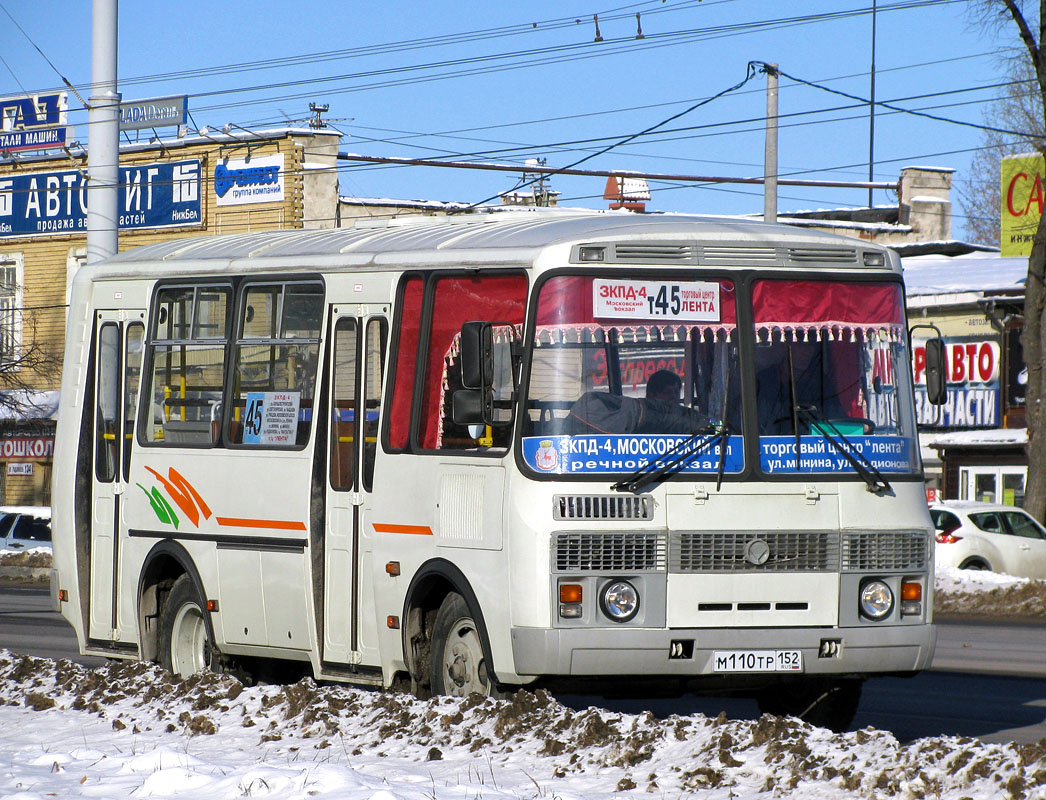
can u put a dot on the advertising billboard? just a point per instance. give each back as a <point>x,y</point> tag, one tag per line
<point>1021,203</point>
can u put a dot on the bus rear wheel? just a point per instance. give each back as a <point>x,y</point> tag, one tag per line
<point>824,702</point>
<point>185,646</point>
<point>457,665</point>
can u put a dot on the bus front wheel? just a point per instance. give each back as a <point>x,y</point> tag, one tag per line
<point>185,646</point>
<point>457,664</point>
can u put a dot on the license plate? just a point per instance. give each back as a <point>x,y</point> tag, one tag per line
<point>757,661</point>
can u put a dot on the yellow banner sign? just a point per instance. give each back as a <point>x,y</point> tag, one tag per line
<point>1022,200</point>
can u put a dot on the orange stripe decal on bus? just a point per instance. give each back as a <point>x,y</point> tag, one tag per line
<point>270,524</point>
<point>420,530</point>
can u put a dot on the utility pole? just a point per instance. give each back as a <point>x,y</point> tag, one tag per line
<point>871,114</point>
<point>103,135</point>
<point>770,157</point>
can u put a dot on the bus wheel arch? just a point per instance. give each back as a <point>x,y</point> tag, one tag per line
<point>166,562</point>
<point>441,585</point>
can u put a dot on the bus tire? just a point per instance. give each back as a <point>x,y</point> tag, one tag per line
<point>457,665</point>
<point>826,703</point>
<point>185,644</point>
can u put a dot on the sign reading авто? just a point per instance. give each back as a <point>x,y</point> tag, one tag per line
<point>1022,199</point>
<point>696,301</point>
<point>271,418</point>
<point>150,196</point>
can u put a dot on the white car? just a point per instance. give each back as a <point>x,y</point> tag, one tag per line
<point>20,532</point>
<point>989,536</point>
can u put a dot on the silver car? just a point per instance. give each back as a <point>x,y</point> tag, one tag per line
<point>989,536</point>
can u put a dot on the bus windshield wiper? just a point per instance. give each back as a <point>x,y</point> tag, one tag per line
<point>679,456</point>
<point>862,466</point>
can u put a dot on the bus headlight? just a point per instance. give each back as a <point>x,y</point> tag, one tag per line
<point>876,599</point>
<point>619,601</point>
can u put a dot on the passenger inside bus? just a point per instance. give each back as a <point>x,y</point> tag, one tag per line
<point>659,412</point>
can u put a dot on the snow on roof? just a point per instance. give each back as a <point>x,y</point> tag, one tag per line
<point>996,436</point>
<point>972,272</point>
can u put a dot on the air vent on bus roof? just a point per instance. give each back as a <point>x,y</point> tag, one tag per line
<point>833,255</point>
<point>725,254</point>
<point>675,253</point>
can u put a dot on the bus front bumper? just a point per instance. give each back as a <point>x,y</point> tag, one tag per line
<point>689,653</point>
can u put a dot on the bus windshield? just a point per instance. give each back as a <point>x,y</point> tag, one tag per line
<point>831,363</point>
<point>625,370</point>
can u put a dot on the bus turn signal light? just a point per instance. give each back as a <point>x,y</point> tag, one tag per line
<point>393,568</point>
<point>911,591</point>
<point>63,595</point>
<point>212,605</point>
<point>570,593</point>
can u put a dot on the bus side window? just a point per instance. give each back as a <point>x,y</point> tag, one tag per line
<point>494,297</point>
<point>274,366</point>
<point>107,402</point>
<point>343,405</point>
<point>374,365</point>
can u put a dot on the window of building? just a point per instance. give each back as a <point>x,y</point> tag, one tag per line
<point>11,276</point>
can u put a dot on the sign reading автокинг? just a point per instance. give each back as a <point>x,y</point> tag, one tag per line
<point>151,196</point>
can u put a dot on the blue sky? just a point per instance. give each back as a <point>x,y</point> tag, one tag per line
<point>538,85</point>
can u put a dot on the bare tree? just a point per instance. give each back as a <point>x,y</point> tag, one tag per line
<point>1018,108</point>
<point>27,362</point>
<point>1032,30</point>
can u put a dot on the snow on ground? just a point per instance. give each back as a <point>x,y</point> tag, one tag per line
<point>129,730</point>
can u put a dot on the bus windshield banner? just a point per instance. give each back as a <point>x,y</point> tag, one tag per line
<point>817,454</point>
<point>595,454</point>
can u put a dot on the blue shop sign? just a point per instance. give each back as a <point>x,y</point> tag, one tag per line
<point>150,196</point>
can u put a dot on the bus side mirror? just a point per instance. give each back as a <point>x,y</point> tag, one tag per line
<point>936,381</point>
<point>472,407</point>
<point>477,356</point>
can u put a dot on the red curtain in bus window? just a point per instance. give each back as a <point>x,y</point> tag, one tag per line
<point>457,300</point>
<point>409,322</point>
<point>840,315</point>
<point>825,303</point>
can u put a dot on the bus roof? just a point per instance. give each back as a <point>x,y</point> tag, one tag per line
<point>510,237</point>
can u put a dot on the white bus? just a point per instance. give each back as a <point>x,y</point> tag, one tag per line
<point>600,451</point>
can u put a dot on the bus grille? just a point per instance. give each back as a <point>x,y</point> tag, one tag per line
<point>609,552</point>
<point>739,551</point>
<point>601,506</point>
<point>877,550</point>
<point>832,255</point>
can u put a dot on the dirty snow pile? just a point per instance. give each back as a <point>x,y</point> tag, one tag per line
<point>129,730</point>
<point>967,591</point>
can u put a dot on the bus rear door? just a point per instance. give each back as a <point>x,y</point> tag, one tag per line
<point>359,337</point>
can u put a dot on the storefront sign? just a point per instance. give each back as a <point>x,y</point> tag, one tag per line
<point>242,181</point>
<point>972,372</point>
<point>27,447</point>
<point>33,122</point>
<point>1022,199</point>
<point>151,196</point>
<point>19,469</point>
<point>158,112</point>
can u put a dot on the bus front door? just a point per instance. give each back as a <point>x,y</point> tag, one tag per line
<point>118,341</point>
<point>359,337</point>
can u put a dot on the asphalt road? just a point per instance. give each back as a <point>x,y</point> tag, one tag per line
<point>987,679</point>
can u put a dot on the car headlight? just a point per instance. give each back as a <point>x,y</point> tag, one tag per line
<point>619,601</point>
<point>876,599</point>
